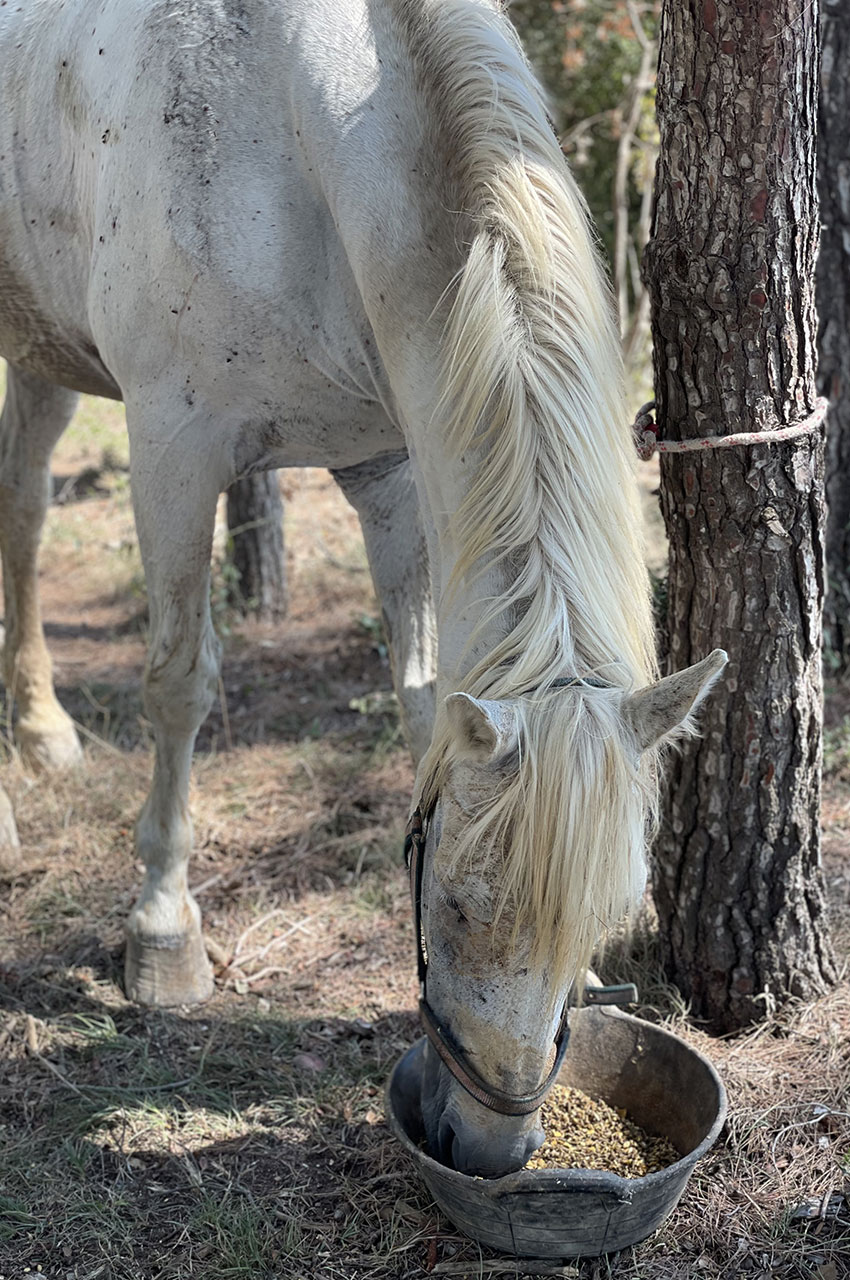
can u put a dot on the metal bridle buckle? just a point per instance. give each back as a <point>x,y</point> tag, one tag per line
<point>619,994</point>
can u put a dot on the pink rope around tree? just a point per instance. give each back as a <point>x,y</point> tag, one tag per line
<point>647,442</point>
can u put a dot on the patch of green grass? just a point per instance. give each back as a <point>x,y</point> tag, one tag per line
<point>238,1164</point>
<point>101,425</point>
<point>14,1217</point>
<point>77,1155</point>
<point>246,1237</point>
<point>371,895</point>
<point>54,906</point>
<point>96,1033</point>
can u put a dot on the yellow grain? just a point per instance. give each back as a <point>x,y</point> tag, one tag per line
<point>585,1133</point>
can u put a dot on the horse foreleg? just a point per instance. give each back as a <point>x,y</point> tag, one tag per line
<point>35,414</point>
<point>174,499</point>
<point>10,845</point>
<point>384,496</point>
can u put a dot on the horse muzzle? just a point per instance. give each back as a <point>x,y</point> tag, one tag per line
<point>467,1136</point>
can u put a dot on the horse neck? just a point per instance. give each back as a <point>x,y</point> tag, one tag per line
<point>376,135</point>
<point>482,275</point>
<point>370,152</point>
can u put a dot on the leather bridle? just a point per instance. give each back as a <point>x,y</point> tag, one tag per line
<point>442,1040</point>
<point>451,1054</point>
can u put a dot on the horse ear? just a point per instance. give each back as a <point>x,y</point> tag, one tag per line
<point>660,709</point>
<point>483,731</point>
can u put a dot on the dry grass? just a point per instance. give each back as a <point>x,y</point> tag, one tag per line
<point>246,1139</point>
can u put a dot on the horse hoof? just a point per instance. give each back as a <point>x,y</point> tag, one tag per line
<point>167,971</point>
<point>52,750</point>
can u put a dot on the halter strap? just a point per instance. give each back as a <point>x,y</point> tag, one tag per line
<point>506,1104</point>
<point>566,681</point>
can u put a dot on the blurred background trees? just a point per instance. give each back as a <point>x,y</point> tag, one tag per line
<point>257,577</point>
<point>597,60</point>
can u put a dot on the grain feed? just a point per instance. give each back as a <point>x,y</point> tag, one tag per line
<point>586,1133</point>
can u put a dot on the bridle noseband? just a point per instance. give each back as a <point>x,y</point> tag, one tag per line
<point>442,1040</point>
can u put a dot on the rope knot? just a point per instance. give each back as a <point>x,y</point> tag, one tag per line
<point>647,442</point>
<point>646,432</point>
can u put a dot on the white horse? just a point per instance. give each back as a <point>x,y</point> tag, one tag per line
<point>341,233</point>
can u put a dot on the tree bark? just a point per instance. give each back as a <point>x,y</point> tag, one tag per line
<point>731,269</point>
<point>833,285</point>
<point>255,521</point>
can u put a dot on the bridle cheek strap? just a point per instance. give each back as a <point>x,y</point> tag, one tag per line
<point>451,1054</point>
<point>506,1104</point>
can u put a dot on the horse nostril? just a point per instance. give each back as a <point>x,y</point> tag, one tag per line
<point>536,1138</point>
<point>457,1156</point>
<point>446,1143</point>
<point>485,1152</point>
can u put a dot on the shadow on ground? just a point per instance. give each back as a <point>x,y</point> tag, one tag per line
<point>273,689</point>
<point>222,1141</point>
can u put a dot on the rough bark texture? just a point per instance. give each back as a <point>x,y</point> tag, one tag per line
<point>255,521</point>
<point>731,269</point>
<point>834,308</point>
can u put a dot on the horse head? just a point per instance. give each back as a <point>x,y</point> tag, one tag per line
<point>532,846</point>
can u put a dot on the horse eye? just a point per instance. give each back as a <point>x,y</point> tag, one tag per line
<point>453,903</point>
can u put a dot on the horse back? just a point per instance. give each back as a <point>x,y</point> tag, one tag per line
<point>248,186</point>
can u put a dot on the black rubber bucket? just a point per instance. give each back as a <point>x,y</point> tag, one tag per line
<point>664,1084</point>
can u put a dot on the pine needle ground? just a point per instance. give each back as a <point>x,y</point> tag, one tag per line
<point>246,1138</point>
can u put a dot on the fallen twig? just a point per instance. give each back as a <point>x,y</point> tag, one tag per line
<point>265,973</point>
<point>246,933</point>
<point>279,941</point>
<point>505,1267</point>
<point>217,953</point>
<point>32,1035</point>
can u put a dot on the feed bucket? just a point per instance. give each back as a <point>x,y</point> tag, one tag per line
<point>667,1087</point>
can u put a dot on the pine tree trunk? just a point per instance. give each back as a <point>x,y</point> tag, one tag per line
<point>255,521</point>
<point>731,269</point>
<point>833,282</point>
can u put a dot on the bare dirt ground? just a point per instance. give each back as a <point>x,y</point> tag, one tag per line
<point>246,1138</point>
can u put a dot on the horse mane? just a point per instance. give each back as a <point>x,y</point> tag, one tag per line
<point>531,386</point>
